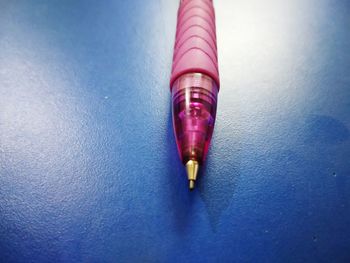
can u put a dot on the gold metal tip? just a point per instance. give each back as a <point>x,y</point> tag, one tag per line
<point>192,171</point>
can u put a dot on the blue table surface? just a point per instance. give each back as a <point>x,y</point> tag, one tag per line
<point>88,165</point>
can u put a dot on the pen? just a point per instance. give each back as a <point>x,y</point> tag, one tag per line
<point>194,83</point>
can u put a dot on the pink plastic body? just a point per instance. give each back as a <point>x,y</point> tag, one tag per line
<point>195,79</point>
<point>195,47</point>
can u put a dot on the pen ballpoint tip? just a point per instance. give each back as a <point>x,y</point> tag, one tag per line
<point>191,184</point>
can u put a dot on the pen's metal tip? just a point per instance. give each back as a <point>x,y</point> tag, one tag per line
<point>191,184</point>
<point>192,171</point>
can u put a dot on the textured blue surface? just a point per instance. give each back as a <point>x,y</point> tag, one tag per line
<point>89,170</point>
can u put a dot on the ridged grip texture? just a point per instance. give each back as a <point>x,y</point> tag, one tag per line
<point>195,49</point>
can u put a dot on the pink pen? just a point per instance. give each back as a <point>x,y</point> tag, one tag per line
<point>194,82</point>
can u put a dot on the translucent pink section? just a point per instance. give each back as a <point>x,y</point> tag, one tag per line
<point>194,98</point>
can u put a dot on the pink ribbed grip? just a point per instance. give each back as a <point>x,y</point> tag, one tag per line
<point>195,48</point>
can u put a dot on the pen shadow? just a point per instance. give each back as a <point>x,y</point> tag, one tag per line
<point>218,178</point>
